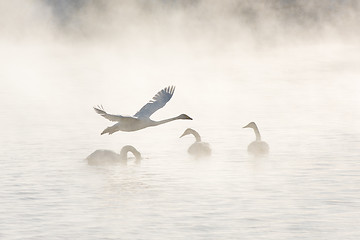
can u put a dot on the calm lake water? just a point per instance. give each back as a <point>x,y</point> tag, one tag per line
<point>305,102</point>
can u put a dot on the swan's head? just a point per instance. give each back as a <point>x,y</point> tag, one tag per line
<point>187,132</point>
<point>250,125</point>
<point>137,155</point>
<point>184,116</point>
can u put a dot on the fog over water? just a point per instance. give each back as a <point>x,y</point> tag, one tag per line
<point>293,67</point>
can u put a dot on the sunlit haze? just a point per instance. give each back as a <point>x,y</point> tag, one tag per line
<point>292,67</point>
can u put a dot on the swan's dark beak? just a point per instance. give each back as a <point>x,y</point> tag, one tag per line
<point>250,125</point>
<point>184,116</point>
<point>182,135</point>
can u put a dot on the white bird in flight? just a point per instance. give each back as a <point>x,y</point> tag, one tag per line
<point>142,118</point>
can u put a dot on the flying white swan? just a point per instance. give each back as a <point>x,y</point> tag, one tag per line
<point>198,148</point>
<point>106,157</point>
<point>257,147</point>
<point>142,118</point>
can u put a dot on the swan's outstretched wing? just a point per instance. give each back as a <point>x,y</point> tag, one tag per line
<point>157,102</point>
<point>114,118</point>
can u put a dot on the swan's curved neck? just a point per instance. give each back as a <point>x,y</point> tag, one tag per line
<point>257,133</point>
<point>128,148</point>
<point>196,135</point>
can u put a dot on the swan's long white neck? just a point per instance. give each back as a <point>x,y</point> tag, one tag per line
<point>196,135</point>
<point>156,123</point>
<point>129,148</point>
<point>257,133</point>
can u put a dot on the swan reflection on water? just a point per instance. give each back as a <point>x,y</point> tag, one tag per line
<point>108,157</point>
<point>198,148</point>
<point>257,147</point>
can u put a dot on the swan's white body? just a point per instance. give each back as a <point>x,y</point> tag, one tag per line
<point>257,147</point>
<point>198,148</point>
<point>108,157</point>
<point>142,118</point>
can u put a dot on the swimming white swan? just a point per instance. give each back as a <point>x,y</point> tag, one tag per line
<point>142,118</point>
<point>198,148</point>
<point>257,147</point>
<point>106,157</point>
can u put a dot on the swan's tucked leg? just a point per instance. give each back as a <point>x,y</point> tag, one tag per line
<point>109,130</point>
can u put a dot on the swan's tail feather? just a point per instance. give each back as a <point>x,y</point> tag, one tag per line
<point>109,130</point>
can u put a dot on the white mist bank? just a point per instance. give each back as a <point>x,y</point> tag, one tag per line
<point>263,22</point>
<point>234,56</point>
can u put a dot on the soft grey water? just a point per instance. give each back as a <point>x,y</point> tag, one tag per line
<point>293,67</point>
<point>305,102</point>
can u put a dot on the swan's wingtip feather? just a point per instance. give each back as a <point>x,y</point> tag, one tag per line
<point>170,89</point>
<point>100,107</point>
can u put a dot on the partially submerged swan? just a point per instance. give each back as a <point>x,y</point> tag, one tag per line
<point>107,157</point>
<point>142,118</point>
<point>257,147</point>
<point>198,148</point>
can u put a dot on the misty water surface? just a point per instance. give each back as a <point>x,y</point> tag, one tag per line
<point>301,87</point>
